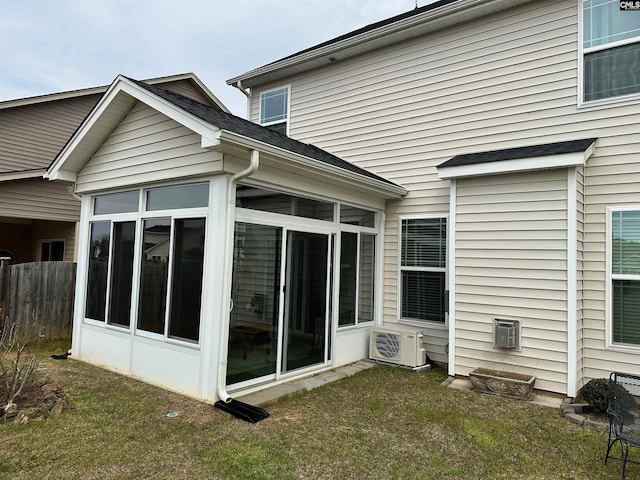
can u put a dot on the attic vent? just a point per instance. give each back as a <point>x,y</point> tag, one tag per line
<point>506,334</point>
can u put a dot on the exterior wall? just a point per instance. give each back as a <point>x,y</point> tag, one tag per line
<point>47,230</point>
<point>33,135</point>
<point>504,81</point>
<point>146,147</point>
<point>37,198</point>
<point>511,263</point>
<point>188,89</point>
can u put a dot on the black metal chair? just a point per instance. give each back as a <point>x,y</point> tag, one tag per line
<point>624,416</point>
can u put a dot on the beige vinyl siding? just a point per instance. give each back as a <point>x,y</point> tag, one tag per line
<point>32,135</point>
<point>47,230</point>
<point>145,147</point>
<point>511,262</point>
<point>507,80</point>
<point>37,198</point>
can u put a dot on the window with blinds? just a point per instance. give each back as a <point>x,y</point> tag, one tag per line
<point>423,258</point>
<point>625,276</point>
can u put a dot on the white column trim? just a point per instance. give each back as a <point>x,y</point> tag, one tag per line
<point>451,268</point>
<point>572,282</point>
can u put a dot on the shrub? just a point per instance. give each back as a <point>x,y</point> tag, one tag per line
<point>596,394</point>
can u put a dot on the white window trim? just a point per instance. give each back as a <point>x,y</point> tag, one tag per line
<point>408,321</point>
<point>287,121</point>
<point>610,345</point>
<point>634,97</point>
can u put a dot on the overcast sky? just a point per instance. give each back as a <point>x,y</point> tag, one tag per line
<point>49,46</point>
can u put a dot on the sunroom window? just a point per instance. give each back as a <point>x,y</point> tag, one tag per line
<point>167,278</point>
<point>423,258</point>
<point>611,50</point>
<point>274,109</point>
<point>625,276</point>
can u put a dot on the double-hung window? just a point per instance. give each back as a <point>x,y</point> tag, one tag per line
<point>423,262</point>
<point>274,109</point>
<point>610,50</point>
<point>151,251</point>
<point>625,276</point>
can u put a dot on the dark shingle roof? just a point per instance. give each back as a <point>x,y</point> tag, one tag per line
<point>240,126</point>
<point>558,148</point>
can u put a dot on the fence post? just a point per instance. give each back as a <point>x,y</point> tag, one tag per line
<point>4,273</point>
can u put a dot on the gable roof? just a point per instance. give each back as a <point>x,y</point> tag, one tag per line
<point>215,127</point>
<point>35,129</point>
<point>570,153</point>
<point>246,128</point>
<point>420,21</point>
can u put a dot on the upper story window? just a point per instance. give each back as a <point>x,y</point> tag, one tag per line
<point>274,109</point>
<point>611,50</point>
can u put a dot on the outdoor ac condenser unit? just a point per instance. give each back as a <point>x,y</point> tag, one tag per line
<point>397,344</point>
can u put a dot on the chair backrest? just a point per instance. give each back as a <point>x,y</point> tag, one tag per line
<point>624,407</point>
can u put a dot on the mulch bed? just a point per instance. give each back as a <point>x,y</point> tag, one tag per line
<point>35,403</point>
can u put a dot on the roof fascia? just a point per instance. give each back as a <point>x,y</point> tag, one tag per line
<point>52,97</point>
<point>83,135</point>
<point>530,164</point>
<point>420,24</point>
<point>24,174</point>
<point>377,187</point>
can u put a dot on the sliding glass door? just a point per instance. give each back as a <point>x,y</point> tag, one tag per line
<point>279,320</point>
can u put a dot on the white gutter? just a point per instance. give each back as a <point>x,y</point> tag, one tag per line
<point>394,191</point>
<point>228,271</point>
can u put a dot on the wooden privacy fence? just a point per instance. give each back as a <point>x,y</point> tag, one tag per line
<point>40,293</point>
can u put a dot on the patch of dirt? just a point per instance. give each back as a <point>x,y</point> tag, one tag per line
<point>35,403</point>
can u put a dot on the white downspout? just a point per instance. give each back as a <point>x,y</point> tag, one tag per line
<point>239,86</point>
<point>228,267</point>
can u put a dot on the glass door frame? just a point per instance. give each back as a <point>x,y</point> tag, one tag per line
<point>289,224</point>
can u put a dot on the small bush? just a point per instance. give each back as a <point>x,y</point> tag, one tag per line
<point>596,394</point>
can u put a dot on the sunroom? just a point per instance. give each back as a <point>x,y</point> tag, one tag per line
<point>216,255</point>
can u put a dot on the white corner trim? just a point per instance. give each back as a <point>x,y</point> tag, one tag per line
<point>451,260</point>
<point>519,165</point>
<point>572,283</point>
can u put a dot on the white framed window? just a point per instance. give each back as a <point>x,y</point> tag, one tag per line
<point>274,109</point>
<point>623,271</point>
<point>147,246</point>
<point>423,269</point>
<point>609,51</point>
<point>51,250</point>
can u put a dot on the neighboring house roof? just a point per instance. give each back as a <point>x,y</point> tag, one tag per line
<point>33,130</point>
<point>215,127</point>
<point>419,21</point>
<point>532,157</point>
<point>246,128</point>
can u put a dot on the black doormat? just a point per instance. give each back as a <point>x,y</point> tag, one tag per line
<point>243,411</point>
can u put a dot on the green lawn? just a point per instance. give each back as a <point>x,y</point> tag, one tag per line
<point>383,423</point>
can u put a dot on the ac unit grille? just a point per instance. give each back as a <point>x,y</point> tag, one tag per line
<point>387,344</point>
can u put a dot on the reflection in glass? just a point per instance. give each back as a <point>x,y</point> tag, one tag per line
<point>121,273</point>
<point>357,216</point>
<point>366,277</point>
<point>348,271</point>
<point>181,196</point>
<point>156,235</point>
<point>306,314</point>
<point>253,332</point>
<point>186,282</point>
<point>116,203</point>
<point>270,201</point>
<point>97,272</point>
